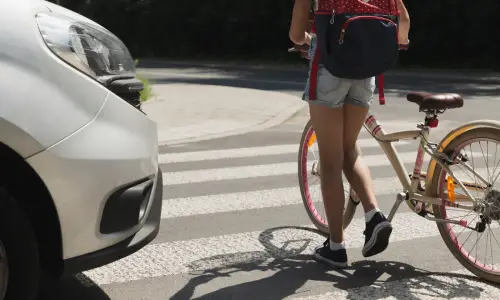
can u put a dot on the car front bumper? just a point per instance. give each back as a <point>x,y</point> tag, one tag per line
<point>98,178</point>
<point>144,236</point>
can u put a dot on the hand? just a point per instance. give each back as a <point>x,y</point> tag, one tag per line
<point>299,48</point>
<point>404,46</point>
<point>403,39</point>
<point>403,32</point>
<point>404,23</point>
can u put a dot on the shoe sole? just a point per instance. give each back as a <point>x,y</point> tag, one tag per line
<point>379,240</point>
<point>330,262</point>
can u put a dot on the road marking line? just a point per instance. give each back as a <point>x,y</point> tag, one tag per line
<point>210,253</point>
<point>220,203</point>
<point>277,169</point>
<point>261,170</point>
<point>210,204</point>
<point>248,152</point>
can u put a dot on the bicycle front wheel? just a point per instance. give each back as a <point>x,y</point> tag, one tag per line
<point>309,182</point>
<point>477,246</point>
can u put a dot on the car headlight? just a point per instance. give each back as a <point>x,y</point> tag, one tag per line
<point>87,47</point>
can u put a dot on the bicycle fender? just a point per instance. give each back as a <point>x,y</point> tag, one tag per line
<point>485,123</point>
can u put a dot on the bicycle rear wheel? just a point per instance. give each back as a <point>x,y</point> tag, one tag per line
<point>309,182</point>
<point>482,236</point>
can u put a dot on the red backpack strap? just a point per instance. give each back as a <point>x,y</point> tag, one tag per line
<point>381,82</point>
<point>313,78</point>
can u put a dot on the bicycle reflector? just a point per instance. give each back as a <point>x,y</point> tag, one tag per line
<point>451,189</point>
<point>312,140</point>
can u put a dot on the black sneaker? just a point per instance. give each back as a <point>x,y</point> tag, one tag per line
<point>337,258</point>
<point>377,234</point>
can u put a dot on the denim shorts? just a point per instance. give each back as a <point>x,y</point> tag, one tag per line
<point>334,92</point>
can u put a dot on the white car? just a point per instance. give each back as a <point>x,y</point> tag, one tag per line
<point>80,185</point>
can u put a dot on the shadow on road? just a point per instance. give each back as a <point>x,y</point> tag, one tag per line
<point>293,270</point>
<point>78,287</point>
<point>294,80</point>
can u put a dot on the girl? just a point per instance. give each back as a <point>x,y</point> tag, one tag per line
<point>337,115</point>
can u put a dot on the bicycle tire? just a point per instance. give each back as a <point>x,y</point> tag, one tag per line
<point>349,209</point>
<point>432,191</point>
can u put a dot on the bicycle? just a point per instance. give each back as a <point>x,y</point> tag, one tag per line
<point>430,193</point>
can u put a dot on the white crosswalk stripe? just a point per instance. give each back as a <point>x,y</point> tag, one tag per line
<point>173,258</point>
<point>259,170</point>
<point>247,152</point>
<point>218,260</point>
<point>178,207</point>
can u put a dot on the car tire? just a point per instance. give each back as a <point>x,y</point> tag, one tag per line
<point>21,249</point>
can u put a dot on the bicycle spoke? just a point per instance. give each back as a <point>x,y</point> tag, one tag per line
<point>485,160</point>
<point>473,168</point>
<point>486,248</point>
<point>463,229</point>
<point>469,242</point>
<point>491,244</point>
<point>498,163</point>
<point>498,244</point>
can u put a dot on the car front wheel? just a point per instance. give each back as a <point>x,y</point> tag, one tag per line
<point>19,261</point>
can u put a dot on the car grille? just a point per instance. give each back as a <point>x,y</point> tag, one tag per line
<point>128,89</point>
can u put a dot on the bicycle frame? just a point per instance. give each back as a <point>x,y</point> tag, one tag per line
<point>410,185</point>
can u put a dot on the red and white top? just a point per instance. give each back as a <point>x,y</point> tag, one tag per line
<point>358,6</point>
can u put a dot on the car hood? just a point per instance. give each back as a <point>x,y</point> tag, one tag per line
<point>68,13</point>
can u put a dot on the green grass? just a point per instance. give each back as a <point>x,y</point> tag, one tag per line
<point>147,93</point>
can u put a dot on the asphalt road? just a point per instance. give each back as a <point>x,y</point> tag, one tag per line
<point>234,226</point>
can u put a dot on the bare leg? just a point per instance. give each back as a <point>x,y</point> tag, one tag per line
<point>355,169</point>
<point>378,229</point>
<point>327,123</point>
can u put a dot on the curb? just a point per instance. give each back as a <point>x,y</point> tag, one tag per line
<point>281,117</point>
<point>229,65</point>
<point>493,77</point>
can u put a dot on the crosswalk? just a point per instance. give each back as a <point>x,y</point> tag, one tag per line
<point>234,227</point>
